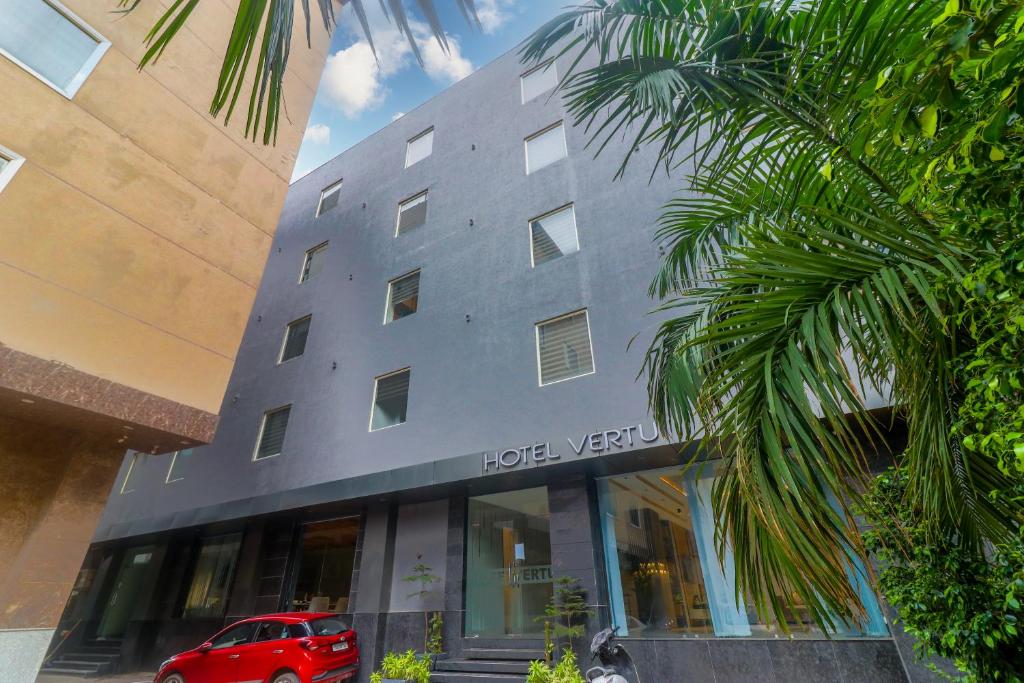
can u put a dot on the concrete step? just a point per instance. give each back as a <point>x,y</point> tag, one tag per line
<point>70,670</point>
<point>492,654</point>
<point>483,666</point>
<point>89,656</point>
<point>466,677</point>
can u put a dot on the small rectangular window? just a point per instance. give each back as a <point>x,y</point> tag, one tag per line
<point>176,472</point>
<point>403,296</point>
<point>46,39</point>
<point>419,148</point>
<point>538,80</point>
<point>271,439</point>
<point>328,198</point>
<point>9,165</point>
<point>313,263</point>
<point>127,486</point>
<point>295,336</point>
<point>412,213</point>
<point>545,148</point>
<point>563,348</point>
<point>390,400</point>
<point>554,235</point>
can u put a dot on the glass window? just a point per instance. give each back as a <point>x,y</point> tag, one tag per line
<point>419,148</point>
<point>313,263</point>
<point>403,296</point>
<point>328,198</point>
<point>538,81</point>
<point>9,165</point>
<point>390,400</point>
<point>412,213</point>
<point>328,626</point>
<point>295,336</point>
<point>545,148</point>
<point>47,40</point>
<point>236,635</point>
<point>563,348</point>
<point>509,579</point>
<point>272,630</point>
<point>211,579</point>
<point>553,235</point>
<point>176,472</point>
<point>128,485</point>
<point>325,562</point>
<point>664,574</point>
<point>271,441</point>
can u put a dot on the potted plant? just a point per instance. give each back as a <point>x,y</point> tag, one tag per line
<point>402,668</point>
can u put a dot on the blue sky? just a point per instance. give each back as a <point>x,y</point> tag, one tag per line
<point>357,96</point>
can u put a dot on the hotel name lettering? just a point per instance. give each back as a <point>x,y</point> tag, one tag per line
<point>596,443</point>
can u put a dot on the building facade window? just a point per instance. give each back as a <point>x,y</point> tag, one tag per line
<point>295,336</point>
<point>211,579</point>
<point>419,147</point>
<point>403,297</point>
<point>325,563</point>
<point>545,148</point>
<point>538,80</point>
<point>176,472</point>
<point>412,213</point>
<point>563,348</point>
<point>128,485</point>
<point>272,431</point>
<point>313,263</point>
<point>9,165</point>
<point>328,198</point>
<point>553,235</point>
<point>46,39</point>
<point>390,400</point>
<point>664,575</point>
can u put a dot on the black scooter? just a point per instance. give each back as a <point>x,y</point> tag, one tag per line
<point>616,664</point>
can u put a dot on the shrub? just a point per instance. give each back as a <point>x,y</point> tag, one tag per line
<point>405,667</point>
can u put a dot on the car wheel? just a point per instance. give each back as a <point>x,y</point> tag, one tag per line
<point>286,678</point>
<point>175,678</point>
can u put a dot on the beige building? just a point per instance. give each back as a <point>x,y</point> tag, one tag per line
<point>133,231</point>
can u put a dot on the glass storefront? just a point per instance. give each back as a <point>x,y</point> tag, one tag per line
<point>508,563</point>
<point>212,576</point>
<point>124,594</point>
<point>324,570</point>
<point>664,575</point>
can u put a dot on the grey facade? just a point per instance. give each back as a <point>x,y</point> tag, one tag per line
<point>476,413</point>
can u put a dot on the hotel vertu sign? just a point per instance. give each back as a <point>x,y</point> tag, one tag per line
<point>596,443</point>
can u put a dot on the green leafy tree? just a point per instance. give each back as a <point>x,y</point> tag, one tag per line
<point>565,614</point>
<point>425,580</point>
<point>260,42</point>
<point>849,224</point>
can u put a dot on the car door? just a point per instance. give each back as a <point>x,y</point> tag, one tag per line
<point>218,663</point>
<point>265,654</point>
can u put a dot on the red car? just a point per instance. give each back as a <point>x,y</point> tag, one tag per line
<point>296,647</point>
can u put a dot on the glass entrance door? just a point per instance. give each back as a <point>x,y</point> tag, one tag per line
<point>508,563</point>
<point>124,594</point>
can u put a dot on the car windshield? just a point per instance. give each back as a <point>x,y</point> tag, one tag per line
<point>328,626</point>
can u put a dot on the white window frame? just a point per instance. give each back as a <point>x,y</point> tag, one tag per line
<point>542,131</point>
<point>373,403</point>
<point>330,189</point>
<point>408,146</point>
<point>263,426</point>
<point>305,260</point>
<point>575,230</point>
<point>284,340</point>
<point>102,45</point>
<point>590,340</point>
<point>387,306</point>
<point>170,469</point>
<point>128,474</point>
<point>407,200</point>
<point>550,63</point>
<point>14,162</point>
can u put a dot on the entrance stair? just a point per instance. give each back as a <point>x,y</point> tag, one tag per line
<point>86,660</point>
<point>498,661</point>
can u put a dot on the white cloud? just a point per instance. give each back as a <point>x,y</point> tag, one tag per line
<point>318,134</point>
<point>356,81</point>
<point>493,14</point>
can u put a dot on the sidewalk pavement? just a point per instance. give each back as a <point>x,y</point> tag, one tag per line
<point>137,677</point>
